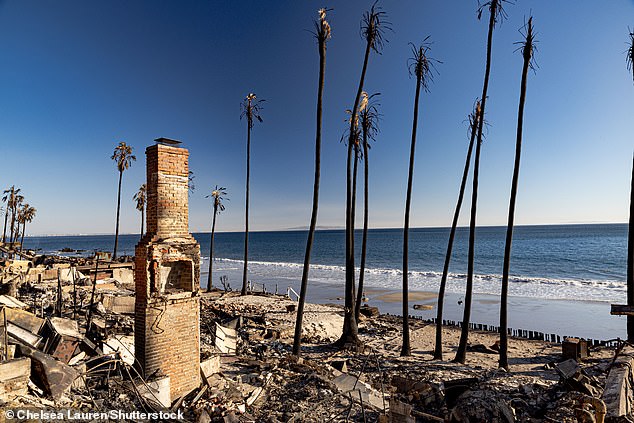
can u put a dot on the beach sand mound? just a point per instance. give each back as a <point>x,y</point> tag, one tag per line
<point>321,323</point>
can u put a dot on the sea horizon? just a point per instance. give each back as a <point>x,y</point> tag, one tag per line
<point>334,228</point>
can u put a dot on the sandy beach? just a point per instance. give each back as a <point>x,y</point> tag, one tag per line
<point>586,319</point>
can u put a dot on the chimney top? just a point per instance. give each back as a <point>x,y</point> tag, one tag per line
<point>167,141</point>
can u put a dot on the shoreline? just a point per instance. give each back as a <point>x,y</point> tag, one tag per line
<point>588,319</point>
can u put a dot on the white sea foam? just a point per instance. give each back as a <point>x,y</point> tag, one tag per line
<point>521,286</point>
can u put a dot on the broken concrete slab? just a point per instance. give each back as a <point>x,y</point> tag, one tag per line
<point>11,302</point>
<point>156,391</point>
<point>124,345</point>
<point>350,384</point>
<point>226,339</point>
<point>123,275</point>
<point>19,334</point>
<point>14,377</point>
<point>618,395</point>
<point>53,376</point>
<point>209,367</point>
<point>400,412</point>
<point>118,304</point>
<point>24,319</point>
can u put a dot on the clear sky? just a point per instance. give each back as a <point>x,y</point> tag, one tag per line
<point>79,76</point>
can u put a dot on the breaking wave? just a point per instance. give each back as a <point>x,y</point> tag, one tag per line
<point>388,278</point>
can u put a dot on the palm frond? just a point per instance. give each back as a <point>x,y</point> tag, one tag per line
<point>629,59</point>
<point>373,27</point>
<point>528,45</point>
<point>123,156</point>
<point>140,197</point>
<point>496,8</point>
<point>218,194</point>
<point>251,108</point>
<point>322,27</point>
<point>370,117</point>
<point>421,65</point>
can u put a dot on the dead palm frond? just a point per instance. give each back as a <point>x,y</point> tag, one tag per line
<point>322,27</point>
<point>528,46</point>
<point>373,27</point>
<point>218,194</point>
<point>629,59</point>
<point>370,117</point>
<point>496,8</point>
<point>250,108</point>
<point>421,65</point>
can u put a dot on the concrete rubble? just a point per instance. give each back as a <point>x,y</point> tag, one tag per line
<point>247,373</point>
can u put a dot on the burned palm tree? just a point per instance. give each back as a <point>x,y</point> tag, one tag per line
<point>123,157</point>
<point>369,128</point>
<point>16,203</point>
<point>630,242</point>
<point>528,49</point>
<point>141,198</point>
<point>217,195</point>
<point>26,215</point>
<point>322,33</point>
<point>496,13</point>
<point>474,117</point>
<point>251,107</point>
<point>373,26</point>
<point>422,67</point>
<point>8,198</point>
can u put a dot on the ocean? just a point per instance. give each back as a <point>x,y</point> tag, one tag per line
<point>578,263</point>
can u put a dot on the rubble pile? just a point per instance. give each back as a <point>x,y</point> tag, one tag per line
<point>60,352</point>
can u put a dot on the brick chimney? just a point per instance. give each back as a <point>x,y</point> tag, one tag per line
<point>167,275</point>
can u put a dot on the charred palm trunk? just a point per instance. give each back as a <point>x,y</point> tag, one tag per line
<point>350,329</point>
<point>364,239</point>
<point>297,339</point>
<point>211,247</point>
<point>630,263</point>
<point>6,217</point>
<point>355,168</point>
<point>406,349</point>
<point>461,354</point>
<point>527,53</point>
<point>246,211</point>
<point>116,234</point>
<point>22,238</point>
<point>452,234</point>
<point>14,213</point>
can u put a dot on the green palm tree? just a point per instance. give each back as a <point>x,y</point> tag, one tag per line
<point>473,127</point>
<point>141,198</point>
<point>630,242</point>
<point>373,27</point>
<point>369,129</point>
<point>251,108</point>
<point>322,33</point>
<point>422,66</point>
<point>27,214</point>
<point>217,195</point>
<point>496,13</point>
<point>528,49</point>
<point>123,157</point>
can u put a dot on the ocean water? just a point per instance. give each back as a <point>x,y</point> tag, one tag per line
<point>566,262</point>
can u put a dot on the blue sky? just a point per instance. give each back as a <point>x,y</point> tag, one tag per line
<point>78,77</point>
